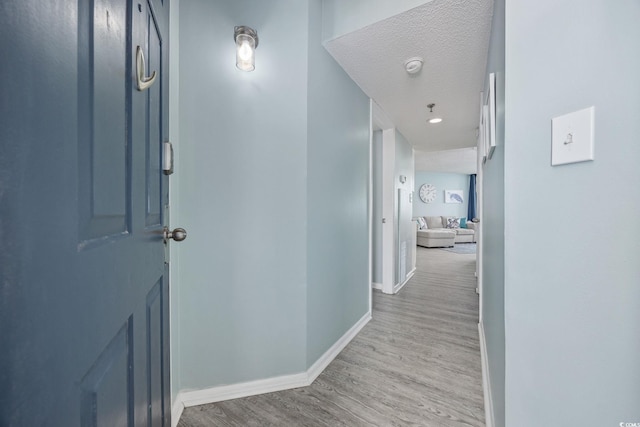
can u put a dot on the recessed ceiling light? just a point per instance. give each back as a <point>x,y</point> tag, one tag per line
<point>433,119</point>
<point>413,65</point>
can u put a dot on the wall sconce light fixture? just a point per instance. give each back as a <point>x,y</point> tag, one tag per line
<point>246,43</point>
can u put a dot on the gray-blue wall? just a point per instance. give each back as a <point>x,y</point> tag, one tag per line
<point>572,239</point>
<point>442,181</point>
<point>242,168</point>
<point>272,171</point>
<point>337,197</point>
<point>174,137</point>
<point>493,224</point>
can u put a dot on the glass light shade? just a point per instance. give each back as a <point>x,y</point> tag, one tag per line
<point>435,120</point>
<point>245,52</point>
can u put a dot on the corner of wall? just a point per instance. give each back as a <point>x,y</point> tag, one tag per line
<point>332,301</point>
<point>338,157</point>
<point>493,233</point>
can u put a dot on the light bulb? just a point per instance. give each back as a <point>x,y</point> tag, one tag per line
<point>245,52</point>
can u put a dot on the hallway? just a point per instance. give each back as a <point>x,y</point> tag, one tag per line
<point>417,362</point>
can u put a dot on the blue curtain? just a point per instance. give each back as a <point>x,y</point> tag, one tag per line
<point>471,211</point>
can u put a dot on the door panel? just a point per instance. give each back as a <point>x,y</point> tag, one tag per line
<point>107,389</point>
<point>155,380</point>
<point>153,123</point>
<point>84,308</point>
<point>103,101</point>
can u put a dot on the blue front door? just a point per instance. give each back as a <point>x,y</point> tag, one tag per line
<point>83,281</point>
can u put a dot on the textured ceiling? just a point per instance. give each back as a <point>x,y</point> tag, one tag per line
<point>461,160</point>
<point>453,38</point>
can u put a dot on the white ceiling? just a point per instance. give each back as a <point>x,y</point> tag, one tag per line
<point>460,160</point>
<point>453,38</point>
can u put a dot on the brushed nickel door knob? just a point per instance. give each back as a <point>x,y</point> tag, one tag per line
<point>178,234</point>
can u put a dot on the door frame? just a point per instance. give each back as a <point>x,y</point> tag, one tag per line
<point>387,242</point>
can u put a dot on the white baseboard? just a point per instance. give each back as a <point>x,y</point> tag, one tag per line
<point>376,285</point>
<point>176,411</point>
<point>399,286</point>
<point>486,379</point>
<point>250,388</point>
<point>269,385</point>
<point>316,369</point>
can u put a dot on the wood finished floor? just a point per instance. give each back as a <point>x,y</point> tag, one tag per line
<point>416,363</point>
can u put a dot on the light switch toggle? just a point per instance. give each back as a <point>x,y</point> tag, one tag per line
<point>572,137</point>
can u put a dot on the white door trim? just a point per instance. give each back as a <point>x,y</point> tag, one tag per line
<point>370,205</point>
<point>388,209</point>
<point>486,379</point>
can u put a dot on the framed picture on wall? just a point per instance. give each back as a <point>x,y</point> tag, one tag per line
<point>491,103</point>
<point>485,132</point>
<point>481,138</point>
<point>453,196</point>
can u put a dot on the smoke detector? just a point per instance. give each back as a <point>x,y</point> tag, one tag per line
<point>413,65</point>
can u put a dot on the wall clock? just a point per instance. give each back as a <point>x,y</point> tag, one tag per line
<point>427,193</point>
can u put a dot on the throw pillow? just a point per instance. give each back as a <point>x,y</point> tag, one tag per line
<point>422,224</point>
<point>463,222</point>
<point>453,222</point>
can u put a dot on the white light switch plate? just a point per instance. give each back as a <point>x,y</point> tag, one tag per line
<point>572,137</point>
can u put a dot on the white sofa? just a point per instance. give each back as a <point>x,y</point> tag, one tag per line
<point>438,235</point>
